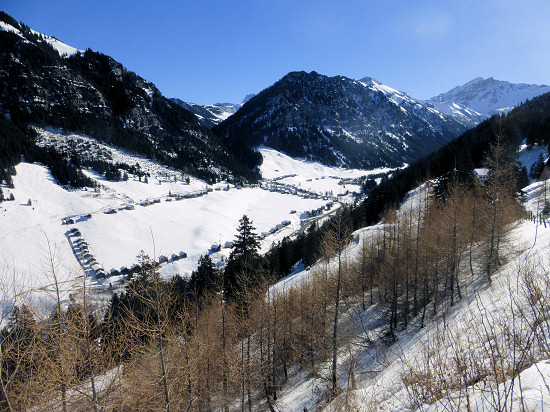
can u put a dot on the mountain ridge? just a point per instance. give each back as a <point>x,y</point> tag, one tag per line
<point>488,96</point>
<point>91,93</point>
<point>338,121</point>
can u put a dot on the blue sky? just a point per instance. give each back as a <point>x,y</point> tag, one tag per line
<point>207,51</point>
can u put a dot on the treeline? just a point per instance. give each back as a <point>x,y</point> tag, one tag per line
<point>16,143</point>
<point>226,340</point>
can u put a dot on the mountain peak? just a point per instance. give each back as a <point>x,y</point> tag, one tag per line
<point>339,121</point>
<point>489,96</point>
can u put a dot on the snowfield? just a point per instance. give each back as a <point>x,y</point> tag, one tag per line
<point>161,217</point>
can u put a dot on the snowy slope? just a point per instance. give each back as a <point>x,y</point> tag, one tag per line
<point>63,49</point>
<point>461,333</point>
<point>462,113</point>
<point>487,96</point>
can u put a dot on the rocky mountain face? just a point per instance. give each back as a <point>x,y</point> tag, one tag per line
<point>339,121</point>
<point>486,97</point>
<point>88,92</point>
<point>211,114</point>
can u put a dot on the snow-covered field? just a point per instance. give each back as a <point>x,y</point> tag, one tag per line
<point>310,175</point>
<point>34,236</point>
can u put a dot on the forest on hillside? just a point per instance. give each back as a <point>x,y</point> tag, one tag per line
<point>228,340</point>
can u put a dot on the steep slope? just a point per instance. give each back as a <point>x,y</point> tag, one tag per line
<point>338,121</point>
<point>93,94</point>
<point>487,96</point>
<point>529,122</point>
<point>463,114</point>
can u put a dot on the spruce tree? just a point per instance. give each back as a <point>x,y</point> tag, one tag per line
<point>243,270</point>
<point>205,279</point>
<point>537,168</point>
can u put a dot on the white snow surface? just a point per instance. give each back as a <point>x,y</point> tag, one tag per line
<point>63,49</point>
<point>309,175</point>
<point>169,226</point>
<point>527,155</point>
<point>8,27</point>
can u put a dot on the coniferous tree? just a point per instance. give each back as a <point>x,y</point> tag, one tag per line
<point>204,280</point>
<point>537,167</point>
<point>243,258</point>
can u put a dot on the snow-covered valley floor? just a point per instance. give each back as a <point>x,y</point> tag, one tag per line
<point>161,217</point>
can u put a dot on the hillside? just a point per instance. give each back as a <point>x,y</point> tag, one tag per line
<point>444,360</point>
<point>43,84</point>
<point>339,122</point>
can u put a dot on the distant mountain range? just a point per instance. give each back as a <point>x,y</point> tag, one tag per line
<point>335,120</point>
<point>212,114</point>
<point>486,97</point>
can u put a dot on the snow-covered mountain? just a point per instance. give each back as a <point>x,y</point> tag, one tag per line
<point>47,83</point>
<point>481,98</point>
<point>339,121</point>
<point>211,114</point>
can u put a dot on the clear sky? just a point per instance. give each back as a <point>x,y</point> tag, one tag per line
<point>207,51</point>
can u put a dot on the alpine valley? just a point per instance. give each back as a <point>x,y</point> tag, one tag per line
<point>327,244</point>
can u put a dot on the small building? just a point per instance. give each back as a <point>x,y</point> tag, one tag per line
<point>163,259</point>
<point>97,268</point>
<point>481,174</point>
<point>182,255</point>
<point>215,247</point>
<point>229,244</point>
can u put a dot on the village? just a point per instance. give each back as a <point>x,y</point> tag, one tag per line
<point>94,269</point>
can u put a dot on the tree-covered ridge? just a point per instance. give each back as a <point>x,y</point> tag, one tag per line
<point>338,121</point>
<point>92,94</point>
<point>529,121</point>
